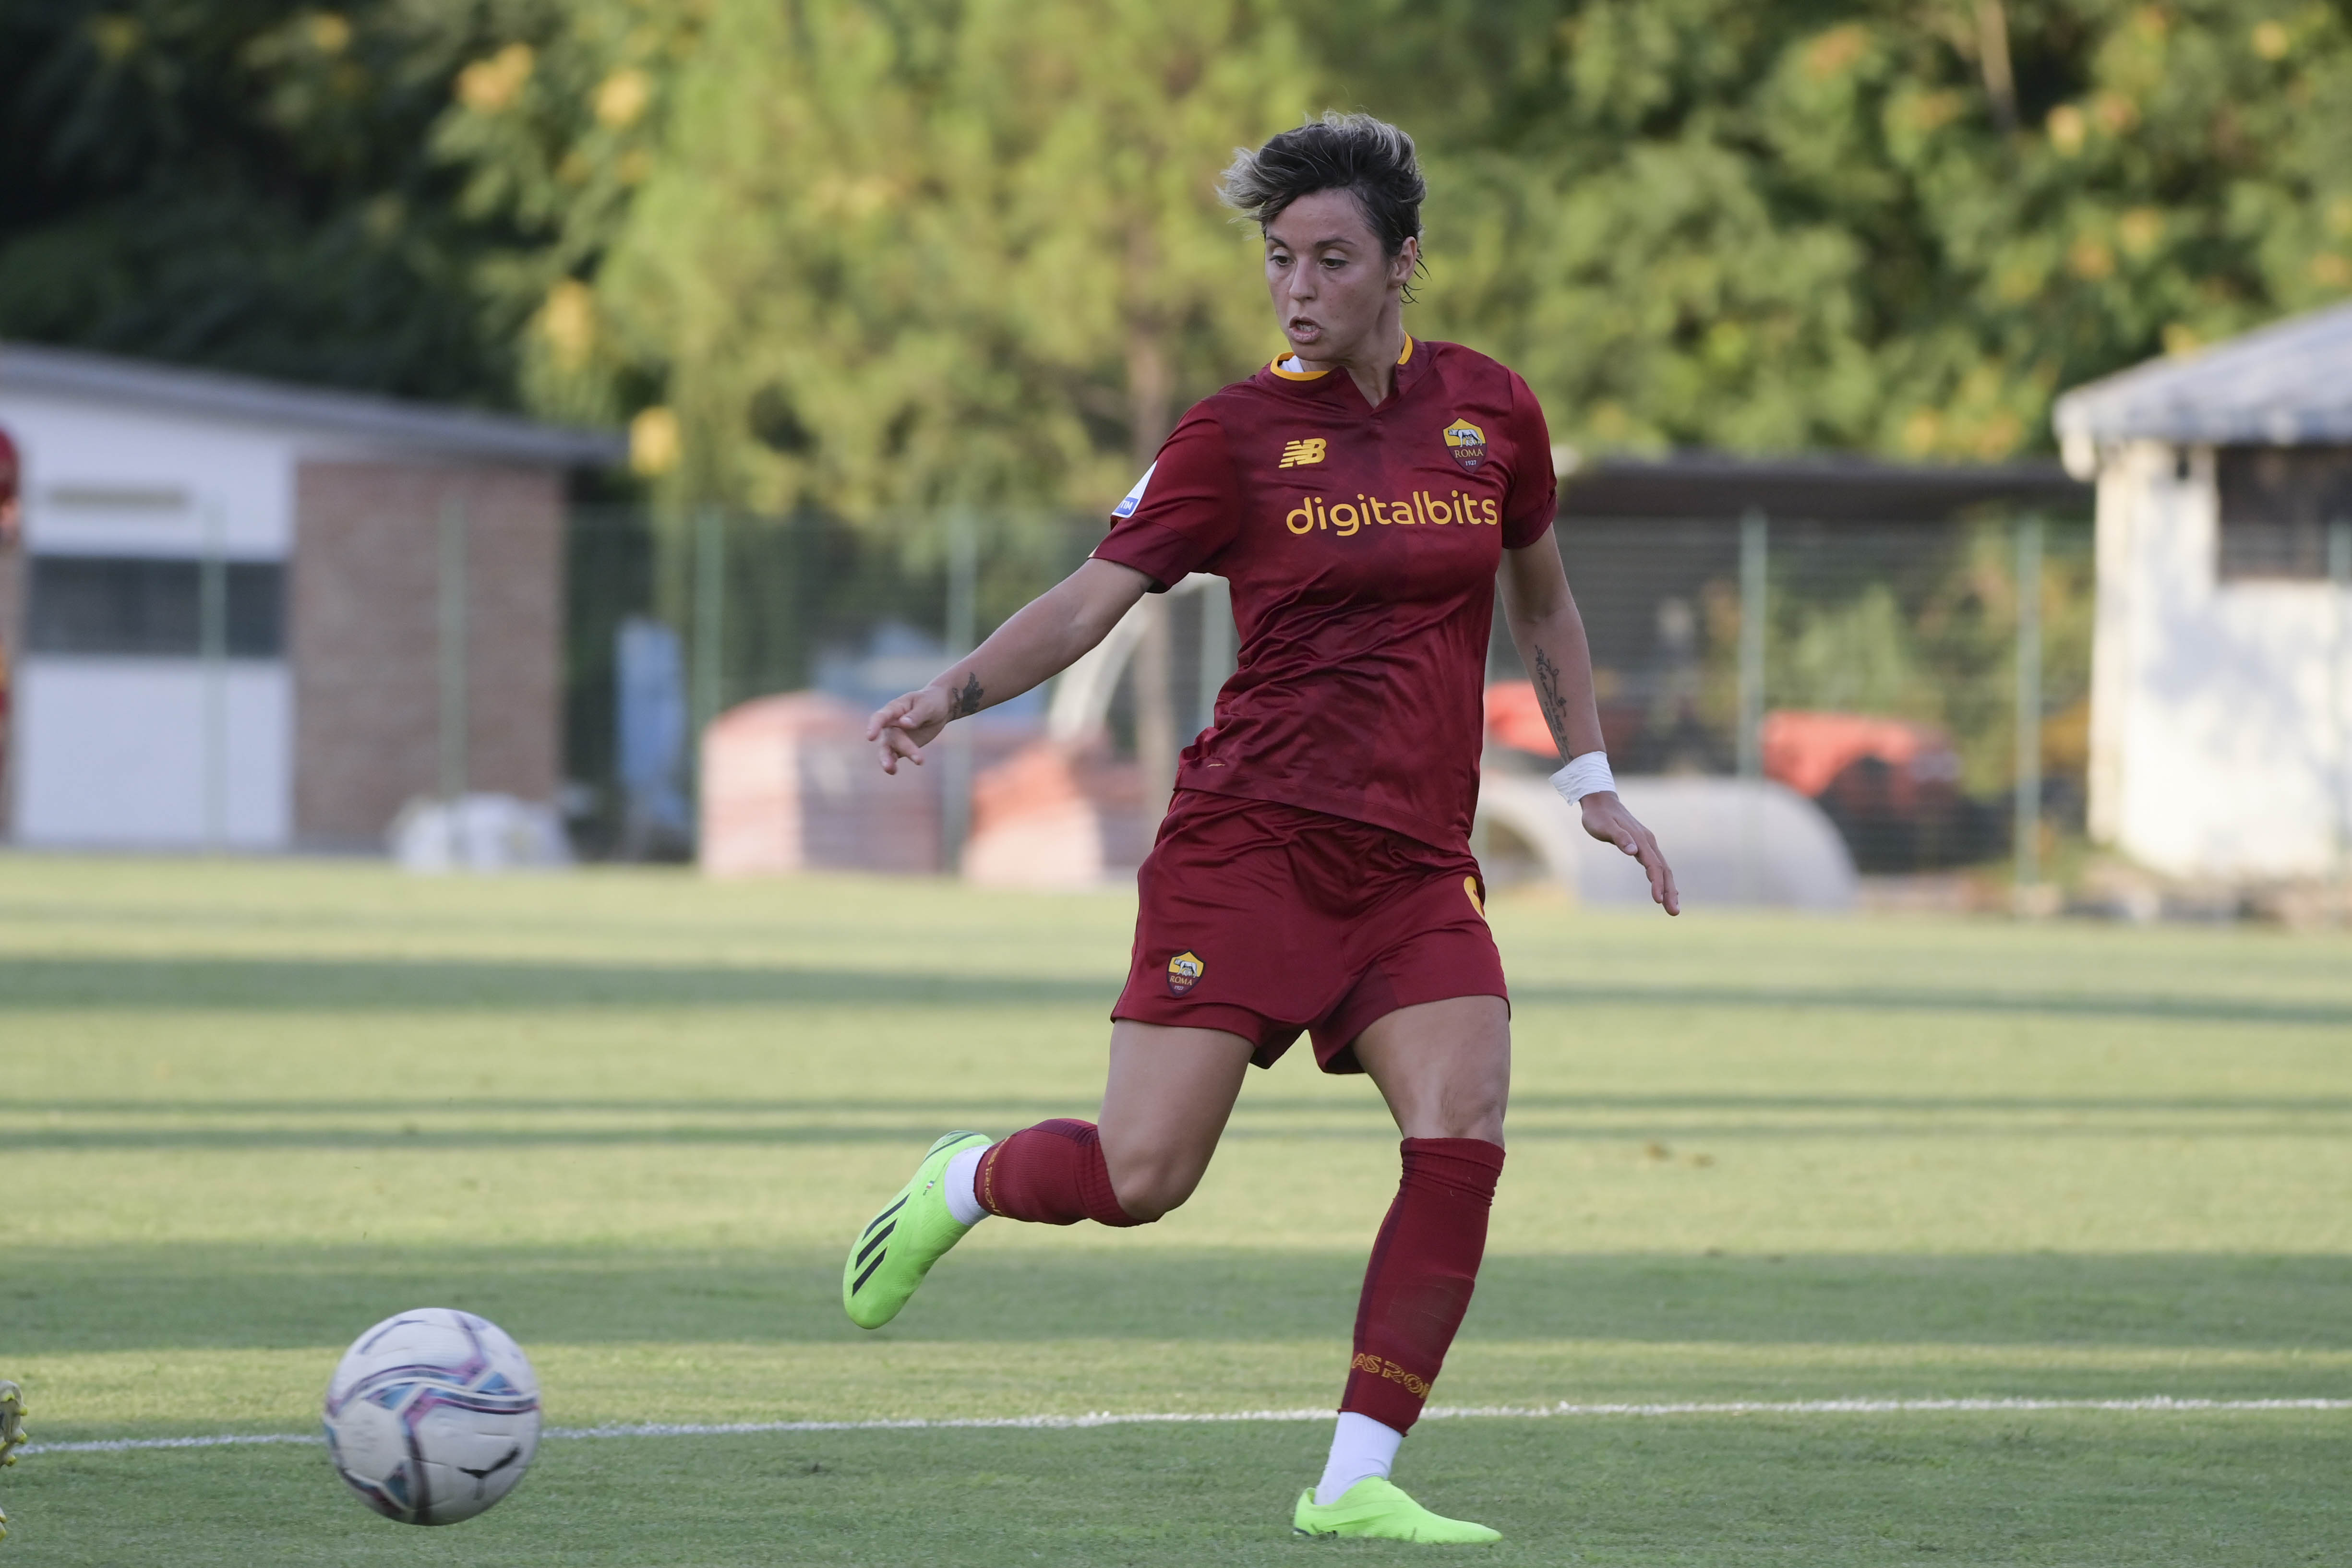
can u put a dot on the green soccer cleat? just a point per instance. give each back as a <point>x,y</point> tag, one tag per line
<point>899,1245</point>
<point>1374,1509</point>
<point>13,1435</point>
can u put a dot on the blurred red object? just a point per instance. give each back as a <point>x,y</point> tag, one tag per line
<point>11,469</point>
<point>1056,815</point>
<point>1514,718</point>
<point>1808,751</point>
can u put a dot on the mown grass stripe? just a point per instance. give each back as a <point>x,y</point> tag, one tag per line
<point>2154,1403</point>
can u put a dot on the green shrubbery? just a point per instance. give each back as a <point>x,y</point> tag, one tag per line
<point>880,255</point>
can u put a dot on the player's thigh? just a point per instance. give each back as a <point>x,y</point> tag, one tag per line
<point>1444,1067</point>
<point>1165,1104</point>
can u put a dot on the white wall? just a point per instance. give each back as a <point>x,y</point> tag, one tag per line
<point>96,478</point>
<point>134,753</point>
<point>112,750</point>
<point>2219,724</point>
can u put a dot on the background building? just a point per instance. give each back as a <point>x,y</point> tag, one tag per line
<point>2222,711</point>
<point>252,615</point>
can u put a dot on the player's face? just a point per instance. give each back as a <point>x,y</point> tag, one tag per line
<point>1331,283</point>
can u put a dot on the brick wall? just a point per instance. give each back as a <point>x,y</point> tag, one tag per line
<point>364,639</point>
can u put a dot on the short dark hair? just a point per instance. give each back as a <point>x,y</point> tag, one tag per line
<point>1368,158</point>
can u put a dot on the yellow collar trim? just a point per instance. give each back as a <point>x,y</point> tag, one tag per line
<point>1279,368</point>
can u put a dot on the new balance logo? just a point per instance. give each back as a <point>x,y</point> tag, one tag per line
<point>1299,454</point>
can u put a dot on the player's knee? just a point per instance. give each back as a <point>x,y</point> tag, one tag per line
<point>1478,1116</point>
<point>1150,1191</point>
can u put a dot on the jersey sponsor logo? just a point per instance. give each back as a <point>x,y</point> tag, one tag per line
<point>1468,442</point>
<point>1299,454</point>
<point>1135,497</point>
<point>1389,1371</point>
<point>1422,509</point>
<point>1184,972</point>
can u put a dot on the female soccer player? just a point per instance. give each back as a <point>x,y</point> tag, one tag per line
<point>1361,494</point>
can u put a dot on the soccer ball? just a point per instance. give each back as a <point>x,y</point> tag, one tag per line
<point>433,1416</point>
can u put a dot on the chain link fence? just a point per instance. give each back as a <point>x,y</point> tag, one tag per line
<point>1899,674</point>
<point>1925,683</point>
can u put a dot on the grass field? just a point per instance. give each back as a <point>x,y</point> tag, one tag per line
<point>247,1110</point>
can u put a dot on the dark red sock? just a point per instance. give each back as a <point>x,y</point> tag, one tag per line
<point>1423,1268</point>
<point>1051,1174</point>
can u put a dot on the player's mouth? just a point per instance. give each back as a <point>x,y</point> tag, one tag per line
<point>1303,328</point>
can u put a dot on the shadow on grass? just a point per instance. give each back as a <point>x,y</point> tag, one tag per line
<point>55,1300</point>
<point>1366,1127</point>
<point>999,1107</point>
<point>288,984</point>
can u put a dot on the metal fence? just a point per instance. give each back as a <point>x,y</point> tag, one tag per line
<point>1927,683</point>
<point>1739,644</point>
<point>671,621</point>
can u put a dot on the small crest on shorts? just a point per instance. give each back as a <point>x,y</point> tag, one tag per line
<point>1184,972</point>
<point>1468,442</point>
<point>1470,886</point>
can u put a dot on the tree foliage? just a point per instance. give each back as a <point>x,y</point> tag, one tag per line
<point>245,185</point>
<point>1900,228</point>
<point>897,257</point>
<point>882,254</point>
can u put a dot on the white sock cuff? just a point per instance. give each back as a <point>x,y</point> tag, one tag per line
<point>1360,1447</point>
<point>962,1188</point>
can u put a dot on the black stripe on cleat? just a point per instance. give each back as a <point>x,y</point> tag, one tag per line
<point>884,1215</point>
<point>869,1271</point>
<point>878,1241</point>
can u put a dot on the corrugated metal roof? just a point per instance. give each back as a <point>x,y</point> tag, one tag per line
<point>2287,384</point>
<point>420,427</point>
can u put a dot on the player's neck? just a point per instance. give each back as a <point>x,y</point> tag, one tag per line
<point>1371,361</point>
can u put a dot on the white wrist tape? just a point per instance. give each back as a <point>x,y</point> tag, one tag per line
<point>1585,775</point>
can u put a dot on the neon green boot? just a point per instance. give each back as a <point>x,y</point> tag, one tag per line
<point>899,1245</point>
<point>12,1421</point>
<point>12,1432</point>
<point>1375,1510</point>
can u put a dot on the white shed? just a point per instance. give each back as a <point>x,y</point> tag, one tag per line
<point>2222,680</point>
<point>255,615</point>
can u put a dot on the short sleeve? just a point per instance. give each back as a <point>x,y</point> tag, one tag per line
<point>1182,511</point>
<point>1535,488</point>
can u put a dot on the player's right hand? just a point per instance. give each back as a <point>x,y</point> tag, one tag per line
<point>902,727</point>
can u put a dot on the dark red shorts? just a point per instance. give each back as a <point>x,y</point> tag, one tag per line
<point>1265,920</point>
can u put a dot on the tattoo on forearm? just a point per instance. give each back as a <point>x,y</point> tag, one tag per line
<point>1548,698</point>
<point>965,703</point>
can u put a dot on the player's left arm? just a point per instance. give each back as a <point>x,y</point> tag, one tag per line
<point>1549,634</point>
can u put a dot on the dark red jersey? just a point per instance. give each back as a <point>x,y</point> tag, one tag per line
<point>1362,545</point>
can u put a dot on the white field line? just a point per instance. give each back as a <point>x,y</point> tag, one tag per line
<point>2152,1404</point>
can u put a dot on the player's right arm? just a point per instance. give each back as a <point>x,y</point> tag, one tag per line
<point>1046,636</point>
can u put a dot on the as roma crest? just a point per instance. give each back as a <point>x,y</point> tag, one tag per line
<point>1184,972</point>
<point>1468,442</point>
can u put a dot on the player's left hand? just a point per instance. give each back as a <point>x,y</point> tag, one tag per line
<point>1606,819</point>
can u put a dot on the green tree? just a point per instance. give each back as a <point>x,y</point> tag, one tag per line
<point>896,256</point>
<point>243,184</point>
<point>1900,228</point>
<point>885,254</point>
